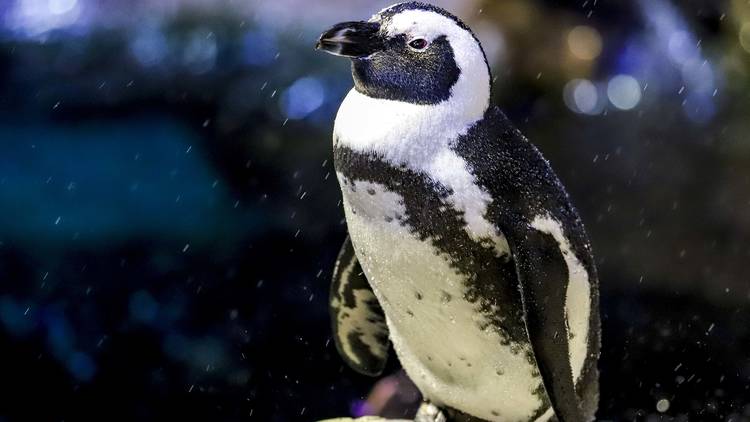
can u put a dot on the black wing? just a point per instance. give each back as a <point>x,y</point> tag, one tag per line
<point>524,188</point>
<point>543,277</point>
<point>359,327</point>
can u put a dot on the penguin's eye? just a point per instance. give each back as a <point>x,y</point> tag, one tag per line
<point>418,43</point>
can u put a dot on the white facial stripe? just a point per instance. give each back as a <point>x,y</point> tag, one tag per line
<point>431,25</point>
<point>427,23</point>
<point>578,296</point>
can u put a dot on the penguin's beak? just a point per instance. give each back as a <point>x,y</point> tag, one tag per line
<point>351,39</point>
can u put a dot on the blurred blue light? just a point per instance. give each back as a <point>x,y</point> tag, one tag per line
<point>103,208</point>
<point>176,346</point>
<point>81,366</point>
<point>37,17</point>
<point>302,98</point>
<point>699,76</point>
<point>624,92</point>
<point>59,7</point>
<point>149,47</point>
<point>14,317</point>
<point>200,52</point>
<point>699,108</point>
<point>692,73</point>
<point>143,307</point>
<point>583,97</point>
<point>682,47</point>
<point>259,47</point>
<point>634,59</point>
<point>208,351</point>
<point>60,334</point>
<point>201,353</point>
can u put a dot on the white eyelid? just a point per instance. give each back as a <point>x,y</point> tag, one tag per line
<point>413,37</point>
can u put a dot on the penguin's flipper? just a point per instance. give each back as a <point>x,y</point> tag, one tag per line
<point>359,328</point>
<point>543,276</point>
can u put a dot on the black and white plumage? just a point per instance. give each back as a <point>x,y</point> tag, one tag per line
<point>464,251</point>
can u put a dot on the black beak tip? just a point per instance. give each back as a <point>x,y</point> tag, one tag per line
<point>350,39</point>
<point>322,44</point>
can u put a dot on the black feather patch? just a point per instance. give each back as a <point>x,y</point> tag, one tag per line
<point>354,320</point>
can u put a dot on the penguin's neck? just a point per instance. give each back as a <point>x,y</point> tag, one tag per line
<point>406,134</point>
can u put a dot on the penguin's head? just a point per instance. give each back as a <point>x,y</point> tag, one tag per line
<point>416,53</point>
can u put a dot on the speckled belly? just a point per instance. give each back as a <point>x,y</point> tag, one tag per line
<point>444,341</point>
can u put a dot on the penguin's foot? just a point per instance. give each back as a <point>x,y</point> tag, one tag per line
<point>428,412</point>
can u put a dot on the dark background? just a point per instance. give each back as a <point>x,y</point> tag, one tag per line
<point>169,223</point>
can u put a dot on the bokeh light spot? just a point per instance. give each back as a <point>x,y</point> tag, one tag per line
<point>200,52</point>
<point>582,96</point>
<point>585,42</point>
<point>302,98</point>
<point>149,47</point>
<point>36,17</point>
<point>699,76</point>
<point>662,405</point>
<point>624,92</point>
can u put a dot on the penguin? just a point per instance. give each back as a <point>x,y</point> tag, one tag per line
<point>464,252</point>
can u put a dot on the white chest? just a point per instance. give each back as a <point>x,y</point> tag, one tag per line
<point>419,138</point>
<point>435,331</point>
